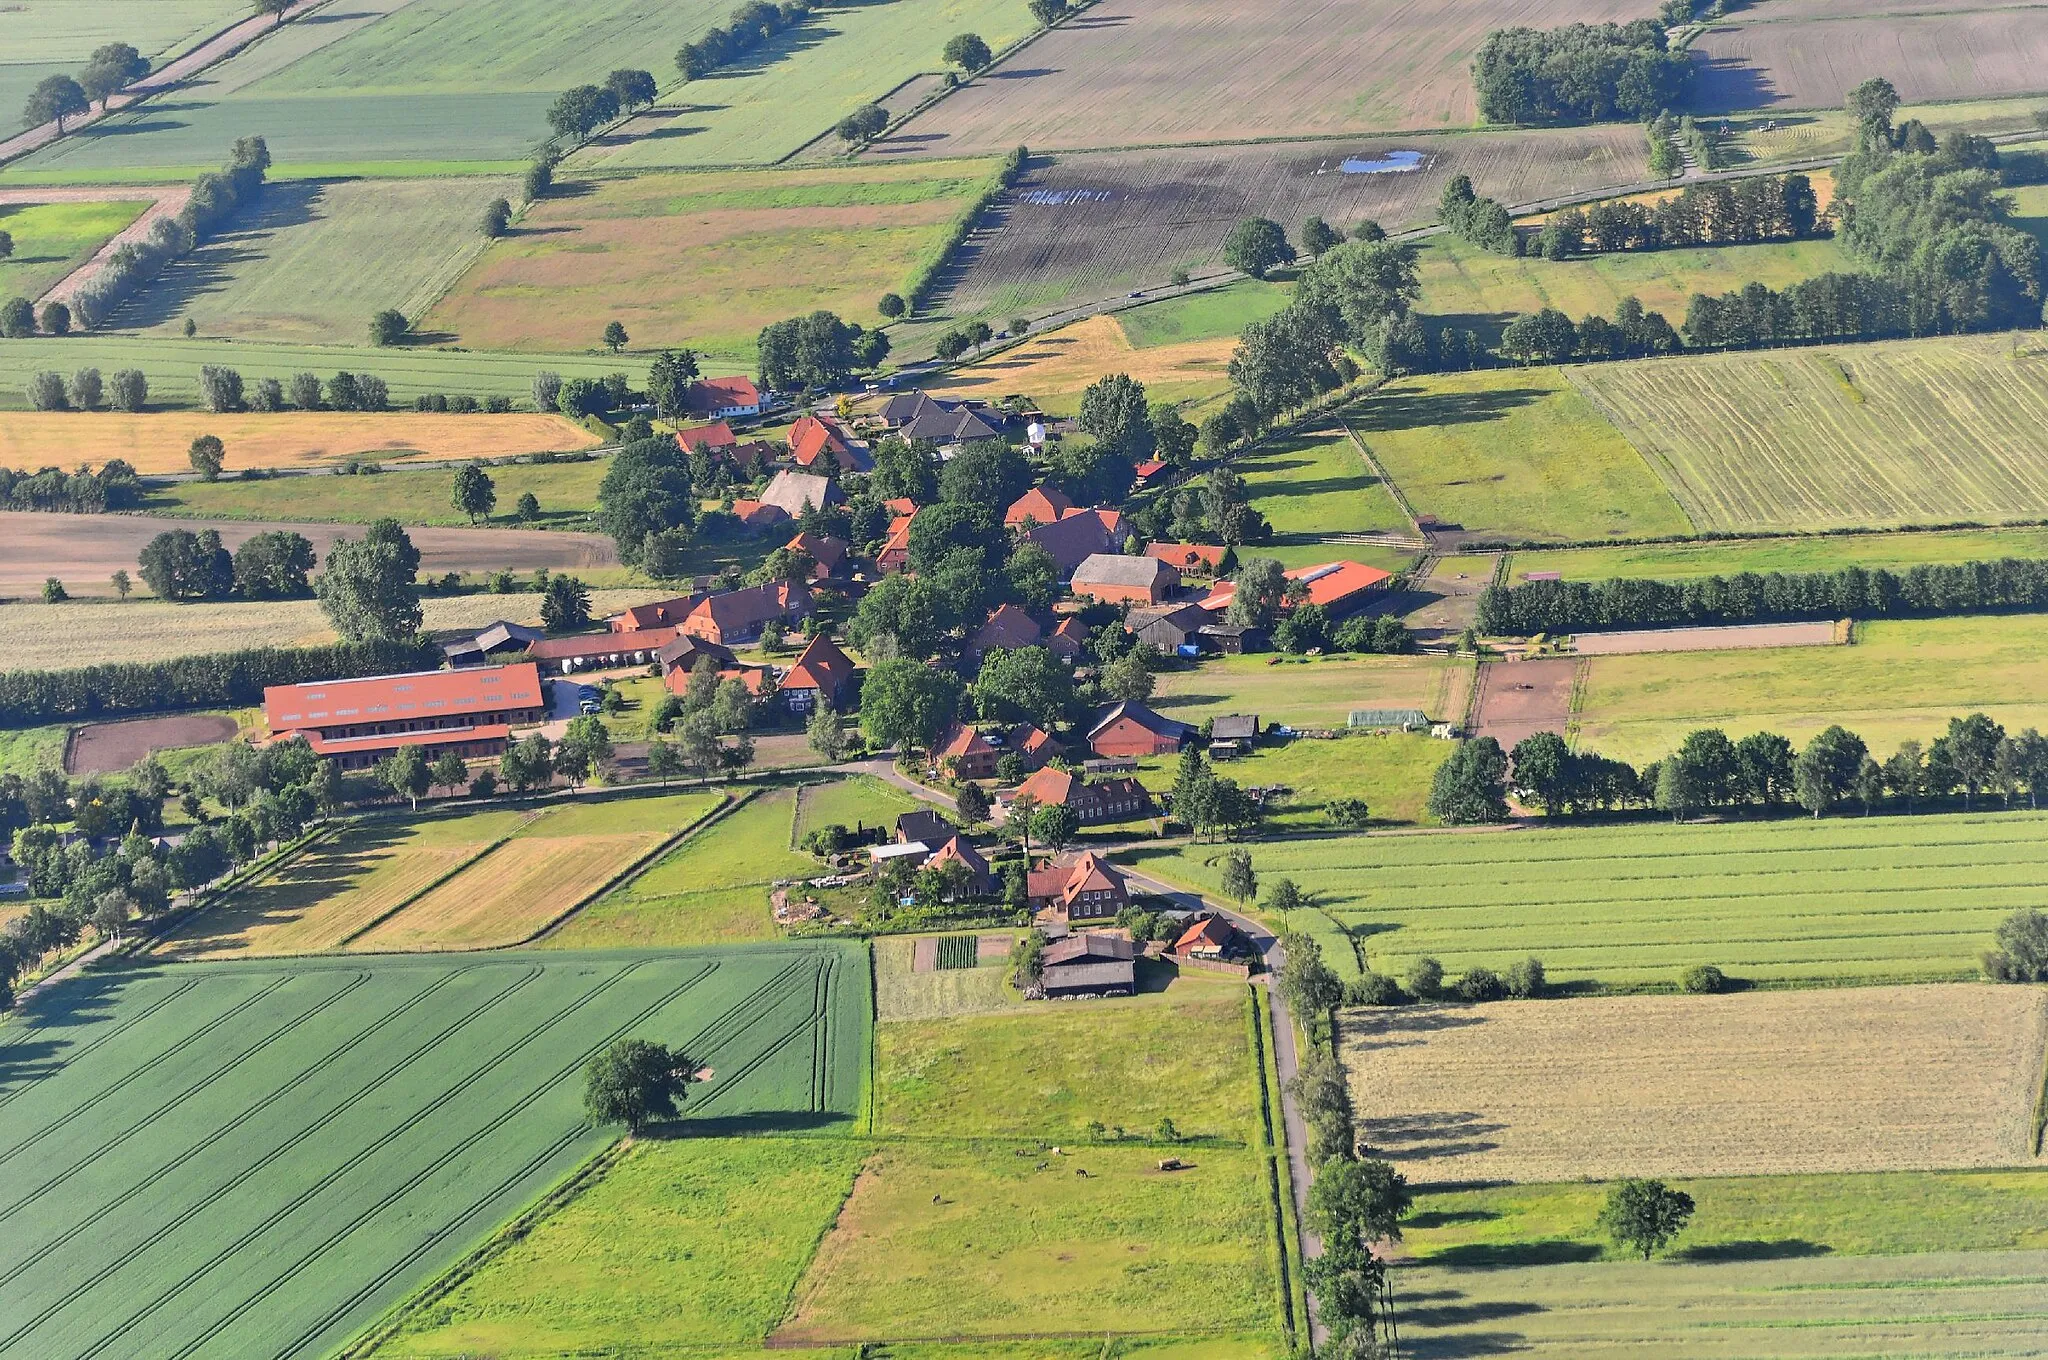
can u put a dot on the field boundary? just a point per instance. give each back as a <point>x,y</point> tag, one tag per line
<point>457,868</point>
<point>1675,486</point>
<point>618,879</point>
<point>1373,465</point>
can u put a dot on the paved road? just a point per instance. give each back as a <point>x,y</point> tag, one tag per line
<point>171,74</point>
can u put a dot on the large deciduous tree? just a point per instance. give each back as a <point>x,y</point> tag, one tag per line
<point>369,590</point>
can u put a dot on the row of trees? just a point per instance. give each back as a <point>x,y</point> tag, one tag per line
<point>1733,212</point>
<point>19,319</point>
<point>1551,337</point>
<point>1360,295</point>
<point>1580,73</point>
<point>1748,597</point>
<point>111,68</point>
<point>749,26</point>
<point>114,487</point>
<point>216,197</point>
<point>181,565</point>
<point>582,109</point>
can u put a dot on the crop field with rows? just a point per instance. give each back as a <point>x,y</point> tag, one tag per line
<point>1843,899</point>
<point>299,1145</point>
<point>1792,63</point>
<point>1893,433</point>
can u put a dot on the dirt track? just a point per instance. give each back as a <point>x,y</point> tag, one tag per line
<point>104,748</point>
<point>84,550</point>
<point>1823,634</point>
<point>1521,698</point>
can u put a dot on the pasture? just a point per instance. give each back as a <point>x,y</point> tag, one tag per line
<point>1768,1083</point>
<point>1789,63</point>
<point>292,270</point>
<point>1949,1304</point>
<point>1725,557</point>
<point>1180,71</point>
<point>943,1240</point>
<point>1390,771</point>
<point>567,492</point>
<point>1083,227</point>
<point>309,1142</point>
<point>159,442</point>
<point>52,239</point>
<point>713,888</point>
<point>1513,454</point>
<point>1309,486</point>
<point>1313,691</point>
<point>706,260</point>
<point>732,1221</point>
<point>1840,900</point>
<point>1214,314</point>
<point>1123,1062</point>
<point>1901,679</point>
<point>172,366</point>
<point>854,803</point>
<point>1056,367</point>
<point>1899,432</point>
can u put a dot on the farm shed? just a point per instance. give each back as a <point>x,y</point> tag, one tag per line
<point>1131,729</point>
<point>598,650</point>
<point>660,614</point>
<point>1116,579</point>
<point>359,722</point>
<point>500,639</point>
<point>739,615</point>
<point>790,492</point>
<point>1089,965</point>
<point>1168,627</point>
<point>1008,629</point>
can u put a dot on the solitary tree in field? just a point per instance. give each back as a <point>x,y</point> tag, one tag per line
<point>123,586</point>
<point>1318,236</point>
<point>389,327</point>
<point>497,218</point>
<point>7,248</point>
<point>635,1082</point>
<point>967,51</point>
<point>1048,12</point>
<point>1257,245</point>
<point>1286,895</point>
<point>275,8</point>
<point>862,123</point>
<point>527,508</point>
<point>1240,882</point>
<point>475,495</point>
<point>53,100</point>
<point>615,336</point>
<point>1645,1215</point>
<point>208,454</point>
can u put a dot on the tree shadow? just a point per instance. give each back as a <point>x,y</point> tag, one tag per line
<point>1508,1255</point>
<point>740,1125</point>
<point>1755,1249</point>
<point>1023,73</point>
<point>1730,85</point>
<point>1462,1314</point>
<point>1407,407</point>
<point>213,266</point>
<point>1444,1218</point>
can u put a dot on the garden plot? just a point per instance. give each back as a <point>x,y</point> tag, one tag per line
<point>1869,1079</point>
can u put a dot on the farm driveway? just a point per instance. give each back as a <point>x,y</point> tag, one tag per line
<point>1521,698</point>
<point>1823,634</point>
<point>166,200</point>
<point>86,549</point>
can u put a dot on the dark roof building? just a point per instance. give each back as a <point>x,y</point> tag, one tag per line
<point>1167,626</point>
<point>1008,629</point>
<point>1131,729</point>
<point>923,825</point>
<point>790,492</point>
<point>1089,965</point>
<point>919,415</point>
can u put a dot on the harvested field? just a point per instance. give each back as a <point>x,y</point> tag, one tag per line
<point>292,270</point>
<point>307,1143</point>
<point>1055,368</point>
<point>1126,74</point>
<point>157,442</point>
<point>507,895</point>
<point>105,748</point>
<point>1743,636</point>
<point>1518,699</point>
<point>1871,1079</point>
<point>1812,64</point>
<point>1891,433</point>
<point>1842,900</point>
<point>84,550</point>
<point>1094,226</point>
<point>707,260</point>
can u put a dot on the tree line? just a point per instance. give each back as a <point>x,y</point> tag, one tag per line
<point>1729,212</point>
<point>181,565</point>
<point>748,27</point>
<point>1751,597</point>
<point>1580,73</point>
<point>114,487</point>
<point>216,197</point>
<point>111,68</point>
<point>927,277</point>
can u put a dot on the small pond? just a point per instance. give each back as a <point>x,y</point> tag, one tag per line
<point>1391,163</point>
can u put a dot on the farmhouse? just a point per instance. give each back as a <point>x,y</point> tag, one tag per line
<point>715,438</point>
<point>790,492</point>
<point>821,442</point>
<point>820,675</point>
<point>949,424</point>
<point>1131,729</point>
<point>681,655</point>
<point>895,552</point>
<point>1114,578</point>
<point>829,553</point>
<point>494,643</point>
<point>587,651</point>
<point>1039,505</point>
<point>923,825</point>
<point>739,615</point>
<point>1067,640</point>
<point>966,752</point>
<point>1081,888</point>
<point>660,614</point>
<point>1032,745</point>
<point>1112,800</point>
<point>1342,588</point>
<point>1007,629</point>
<point>1233,734</point>
<point>754,515</point>
<point>359,722</point>
<point>1208,937</point>
<point>1192,559</point>
<point>1077,536</point>
<point>1089,965</point>
<point>723,398</point>
<point>958,850</point>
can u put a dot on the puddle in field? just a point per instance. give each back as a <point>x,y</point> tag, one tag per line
<point>1392,163</point>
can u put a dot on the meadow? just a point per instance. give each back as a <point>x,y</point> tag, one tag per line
<point>1209,315</point>
<point>1181,72</point>
<point>735,1219</point>
<point>1792,63</point>
<point>52,239</point>
<point>171,366</point>
<point>1124,1062</point>
<point>1902,679</point>
<point>854,803</point>
<point>567,493</point>
<point>1725,557</point>
<point>292,272</point>
<point>706,260</point>
<point>159,442</point>
<point>1839,900</point>
<point>711,889</point>
<point>1054,368</point>
<point>1094,226</point>
<point>1768,1083</point>
<point>1515,454</point>
<point>1899,432</point>
<point>1310,486</point>
<point>58,32</point>
<point>1390,771</point>
<point>1314,691</point>
<point>308,1142</point>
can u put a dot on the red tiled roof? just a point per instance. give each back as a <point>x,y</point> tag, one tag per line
<point>1025,739</point>
<point>1048,787</point>
<point>1187,556</point>
<point>754,514</point>
<point>1040,505</point>
<point>962,740</point>
<point>812,437</point>
<point>415,695</point>
<point>821,666</point>
<point>1151,467</point>
<point>1328,584</point>
<point>758,679</point>
<point>440,736</point>
<point>1009,627</point>
<point>900,506</point>
<point>603,644</point>
<point>827,551</point>
<point>668,612</point>
<point>1211,931</point>
<point>1077,536</point>
<point>739,611</point>
<point>712,393</point>
<point>715,436</point>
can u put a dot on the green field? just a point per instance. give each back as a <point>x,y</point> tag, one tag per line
<point>60,31</point>
<point>303,1144</point>
<point>736,1220</point>
<point>1318,692</point>
<point>1725,557</point>
<point>172,366</point>
<point>52,239</point>
<point>902,993</point>
<point>294,270</point>
<point>24,750</point>
<point>1940,431</point>
<point>567,493</point>
<point>1846,899</point>
<point>1311,486</point>
<point>707,259</point>
<point>1902,679</point>
<point>856,802</point>
<point>1464,286</point>
<point>713,888</point>
<point>1390,771</point>
<point>1514,454</point>
<point>1208,315</point>
<point>1182,1054</point>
